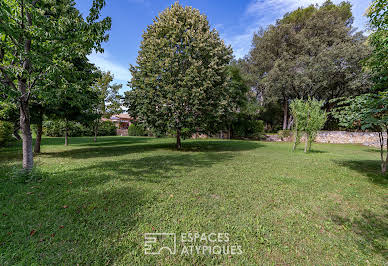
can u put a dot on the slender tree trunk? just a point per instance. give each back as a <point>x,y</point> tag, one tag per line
<point>28,159</point>
<point>16,128</point>
<point>386,156</point>
<point>296,139</point>
<point>66,134</point>
<point>96,132</point>
<point>285,114</point>
<point>384,162</point>
<point>25,126</point>
<point>306,143</point>
<point>39,134</point>
<point>290,122</point>
<point>178,139</point>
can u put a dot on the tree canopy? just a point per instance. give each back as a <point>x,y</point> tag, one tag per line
<point>41,43</point>
<point>310,52</point>
<point>179,82</point>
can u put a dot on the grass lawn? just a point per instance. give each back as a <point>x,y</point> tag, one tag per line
<point>91,203</point>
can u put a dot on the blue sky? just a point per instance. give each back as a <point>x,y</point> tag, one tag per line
<point>235,20</point>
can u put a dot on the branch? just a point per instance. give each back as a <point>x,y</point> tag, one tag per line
<point>37,78</point>
<point>7,79</point>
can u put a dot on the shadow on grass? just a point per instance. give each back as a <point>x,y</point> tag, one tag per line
<point>370,168</point>
<point>128,148</point>
<point>88,141</point>
<point>88,214</point>
<point>57,225</point>
<point>372,228</point>
<point>151,169</point>
<point>374,150</point>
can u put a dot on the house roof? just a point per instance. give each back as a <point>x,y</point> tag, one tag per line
<point>123,116</point>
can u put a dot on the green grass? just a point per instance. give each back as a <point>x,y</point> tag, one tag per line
<point>91,203</point>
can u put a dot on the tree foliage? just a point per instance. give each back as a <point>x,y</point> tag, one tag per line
<point>378,61</point>
<point>370,111</point>
<point>41,42</point>
<point>108,101</point>
<point>310,52</point>
<point>180,80</point>
<point>309,118</point>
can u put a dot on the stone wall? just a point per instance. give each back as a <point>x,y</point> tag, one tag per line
<point>121,132</point>
<point>364,138</point>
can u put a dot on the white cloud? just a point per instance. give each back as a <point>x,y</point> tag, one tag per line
<point>105,63</point>
<point>276,6</point>
<point>261,13</point>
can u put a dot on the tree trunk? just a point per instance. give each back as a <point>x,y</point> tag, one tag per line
<point>16,128</point>
<point>66,134</point>
<point>39,134</point>
<point>28,159</point>
<point>384,162</point>
<point>178,139</point>
<point>25,126</point>
<point>285,114</point>
<point>306,143</point>
<point>95,132</point>
<point>290,123</point>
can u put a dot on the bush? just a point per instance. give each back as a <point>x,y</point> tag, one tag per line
<point>76,129</point>
<point>136,130</point>
<point>283,134</point>
<point>107,128</point>
<point>257,128</point>
<point>6,130</point>
<point>245,127</point>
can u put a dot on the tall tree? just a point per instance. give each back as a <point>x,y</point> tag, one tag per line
<point>377,63</point>
<point>37,37</point>
<point>179,82</point>
<point>370,111</point>
<point>310,52</point>
<point>109,99</point>
<point>74,98</point>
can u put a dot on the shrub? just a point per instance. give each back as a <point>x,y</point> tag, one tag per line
<point>76,129</point>
<point>257,128</point>
<point>107,128</point>
<point>245,127</point>
<point>283,134</point>
<point>6,129</point>
<point>136,130</point>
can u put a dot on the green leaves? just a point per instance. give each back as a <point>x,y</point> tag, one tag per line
<point>378,61</point>
<point>367,111</point>
<point>310,52</point>
<point>180,77</point>
<point>309,118</point>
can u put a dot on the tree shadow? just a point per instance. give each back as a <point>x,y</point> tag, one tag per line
<point>88,141</point>
<point>373,150</point>
<point>371,227</point>
<point>128,148</point>
<point>149,169</point>
<point>370,168</point>
<point>91,207</point>
<point>47,226</point>
<point>301,150</point>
